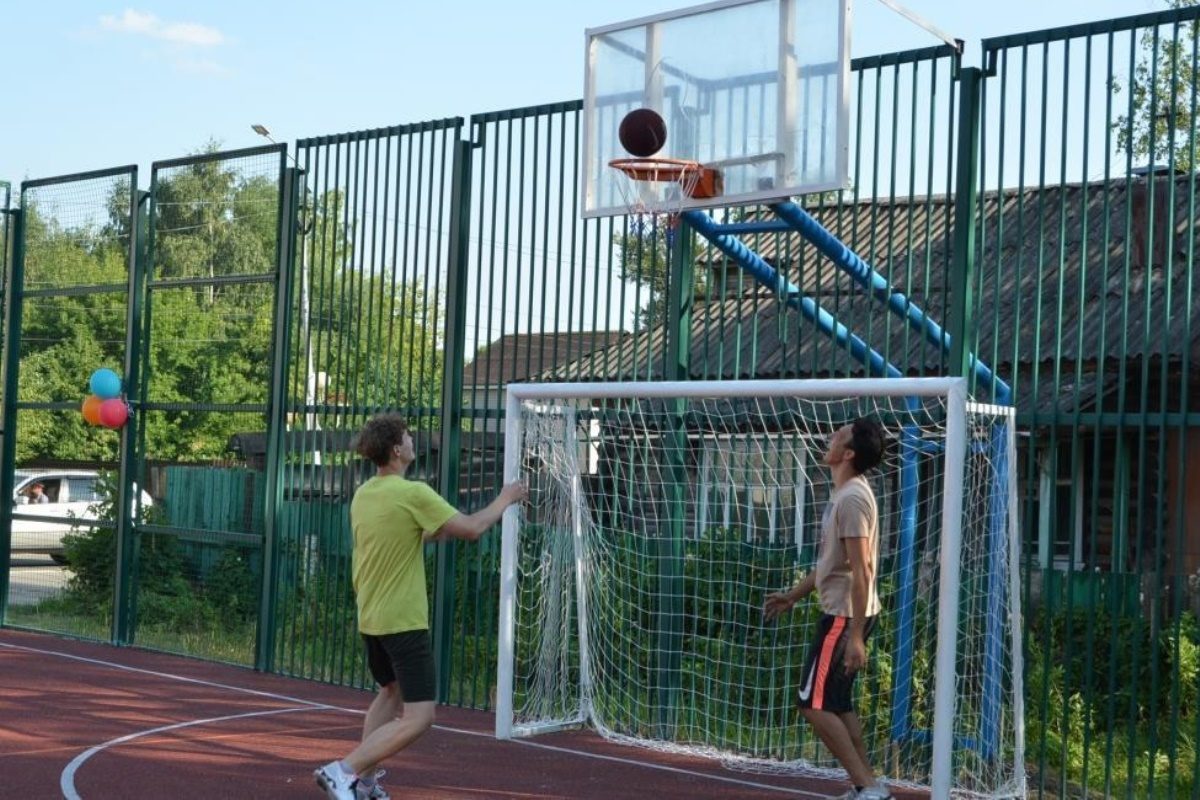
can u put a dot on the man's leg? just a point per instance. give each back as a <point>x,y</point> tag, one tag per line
<point>385,707</point>
<point>837,737</point>
<point>854,727</point>
<point>412,720</point>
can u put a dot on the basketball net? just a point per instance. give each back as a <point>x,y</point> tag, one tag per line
<point>654,190</point>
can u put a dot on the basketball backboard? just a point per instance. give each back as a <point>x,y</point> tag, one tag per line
<point>754,88</point>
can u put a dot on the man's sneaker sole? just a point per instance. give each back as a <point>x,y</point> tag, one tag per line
<point>323,781</point>
<point>320,776</point>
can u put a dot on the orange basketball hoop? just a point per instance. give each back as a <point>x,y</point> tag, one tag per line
<point>695,180</point>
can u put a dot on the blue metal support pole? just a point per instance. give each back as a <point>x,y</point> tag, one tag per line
<point>862,272</point>
<point>767,275</point>
<point>906,549</point>
<point>997,547</point>
<point>911,449</point>
<point>849,261</point>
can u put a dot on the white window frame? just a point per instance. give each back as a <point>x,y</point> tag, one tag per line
<point>710,486</point>
<point>1048,486</point>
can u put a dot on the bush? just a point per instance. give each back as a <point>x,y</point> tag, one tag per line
<point>232,587</point>
<point>165,595</point>
<point>1094,721</point>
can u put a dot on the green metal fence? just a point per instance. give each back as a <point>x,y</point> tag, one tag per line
<point>68,314</point>
<point>211,358</point>
<point>371,293</point>
<point>1042,207</point>
<point>1085,297</point>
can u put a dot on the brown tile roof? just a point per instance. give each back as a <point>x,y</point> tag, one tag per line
<point>519,356</point>
<point>1059,281</point>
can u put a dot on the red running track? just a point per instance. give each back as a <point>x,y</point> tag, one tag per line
<point>89,721</point>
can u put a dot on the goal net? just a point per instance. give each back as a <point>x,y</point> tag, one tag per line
<point>661,514</point>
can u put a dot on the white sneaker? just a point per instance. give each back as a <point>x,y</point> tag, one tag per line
<point>337,783</point>
<point>375,791</point>
<point>876,792</point>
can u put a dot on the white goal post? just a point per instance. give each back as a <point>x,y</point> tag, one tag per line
<point>661,513</point>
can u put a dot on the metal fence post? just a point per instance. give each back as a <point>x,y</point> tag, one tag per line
<point>264,657</point>
<point>452,402</point>
<point>12,367</point>
<point>125,534</point>
<point>680,292</point>
<point>966,179</point>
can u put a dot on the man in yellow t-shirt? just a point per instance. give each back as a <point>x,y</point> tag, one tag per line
<point>391,519</point>
<point>844,581</point>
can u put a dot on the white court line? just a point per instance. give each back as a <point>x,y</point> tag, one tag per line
<point>173,677</point>
<point>67,781</point>
<point>665,768</point>
<point>309,704</point>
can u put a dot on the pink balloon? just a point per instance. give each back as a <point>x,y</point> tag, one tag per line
<point>113,413</point>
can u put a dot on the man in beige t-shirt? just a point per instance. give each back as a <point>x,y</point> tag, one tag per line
<point>845,584</point>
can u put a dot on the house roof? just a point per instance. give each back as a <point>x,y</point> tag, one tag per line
<point>1066,275</point>
<point>1043,288</point>
<point>519,356</point>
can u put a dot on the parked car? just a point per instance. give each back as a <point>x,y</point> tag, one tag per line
<point>69,495</point>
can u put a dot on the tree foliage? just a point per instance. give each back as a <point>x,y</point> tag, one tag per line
<point>210,343</point>
<point>644,249</point>
<point>1163,96</point>
<point>376,339</point>
<point>64,338</point>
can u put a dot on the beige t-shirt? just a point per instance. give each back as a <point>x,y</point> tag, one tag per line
<point>851,513</point>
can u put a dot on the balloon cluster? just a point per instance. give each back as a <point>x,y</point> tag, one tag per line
<point>105,406</point>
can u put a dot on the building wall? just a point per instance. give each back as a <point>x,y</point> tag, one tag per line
<point>481,399</point>
<point>1191,500</point>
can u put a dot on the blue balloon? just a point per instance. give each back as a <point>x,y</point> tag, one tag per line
<point>105,383</point>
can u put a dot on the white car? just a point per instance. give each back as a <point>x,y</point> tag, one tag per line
<point>70,495</point>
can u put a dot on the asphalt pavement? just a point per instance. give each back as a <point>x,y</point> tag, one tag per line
<point>32,579</point>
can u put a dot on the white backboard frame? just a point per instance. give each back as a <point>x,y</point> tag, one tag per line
<point>599,143</point>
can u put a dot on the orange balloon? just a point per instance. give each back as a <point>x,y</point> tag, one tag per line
<point>91,409</point>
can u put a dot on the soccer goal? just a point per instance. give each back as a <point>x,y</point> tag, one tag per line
<point>661,514</point>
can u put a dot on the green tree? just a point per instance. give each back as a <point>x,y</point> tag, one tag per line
<point>65,337</point>
<point>644,250</point>
<point>209,344</point>
<point>376,338</point>
<point>1163,96</point>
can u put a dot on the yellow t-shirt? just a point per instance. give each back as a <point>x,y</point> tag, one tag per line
<point>388,516</point>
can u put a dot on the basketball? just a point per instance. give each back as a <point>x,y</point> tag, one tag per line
<point>643,132</point>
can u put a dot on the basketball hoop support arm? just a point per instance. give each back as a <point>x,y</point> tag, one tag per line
<point>920,21</point>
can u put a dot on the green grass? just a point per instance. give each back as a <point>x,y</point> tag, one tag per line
<point>232,646</point>
<point>55,616</point>
<point>68,616</point>
<point>1102,745</point>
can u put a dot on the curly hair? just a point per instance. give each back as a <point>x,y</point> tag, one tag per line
<point>867,442</point>
<point>377,438</point>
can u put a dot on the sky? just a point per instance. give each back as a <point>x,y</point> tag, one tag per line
<point>90,85</point>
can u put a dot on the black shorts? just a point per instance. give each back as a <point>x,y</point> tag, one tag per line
<point>405,658</point>
<point>825,684</point>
